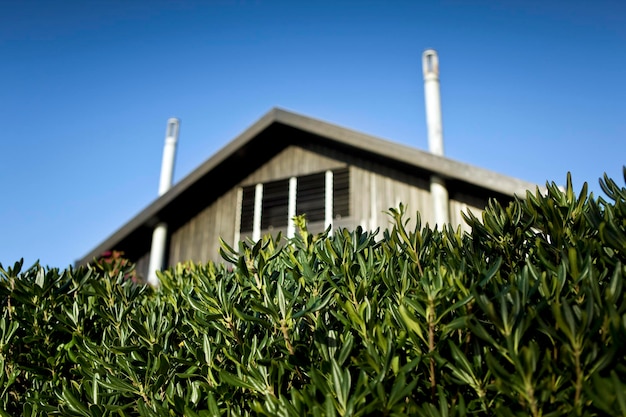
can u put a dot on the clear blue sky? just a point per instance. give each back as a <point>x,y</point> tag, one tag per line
<point>530,89</point>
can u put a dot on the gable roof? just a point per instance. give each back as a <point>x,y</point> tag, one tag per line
<point>269,135</point>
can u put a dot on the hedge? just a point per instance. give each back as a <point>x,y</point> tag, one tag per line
<point>524,315</point>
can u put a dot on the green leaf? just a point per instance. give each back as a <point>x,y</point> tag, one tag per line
<point>73,403</point>
<point>235,381</point>
<point>411,324</point>
<point>190,413</point>
<point>117,384</point>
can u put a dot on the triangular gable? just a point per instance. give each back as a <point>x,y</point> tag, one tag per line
<point>259,143</point>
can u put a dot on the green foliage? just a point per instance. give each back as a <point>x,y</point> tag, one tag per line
<point>524,315</point>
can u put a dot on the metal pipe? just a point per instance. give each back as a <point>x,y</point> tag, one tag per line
<point>157,253</point>
<point>430,66</point>
<point>432,95</point>
<point>169,156</point>
<point>159,235</point>
<point>439,194</point>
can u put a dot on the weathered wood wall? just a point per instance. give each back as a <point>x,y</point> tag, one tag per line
<point>198,239</point>
<point>142,265</point>
<point>296,161</point>
<point>374,188</point>
<point>463,202</point>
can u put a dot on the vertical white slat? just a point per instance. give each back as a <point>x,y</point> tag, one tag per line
<point>373,202</point>
<point>291,208</point>
<point>258,207</point>
<point>328,201</point>
<point>237,235</point>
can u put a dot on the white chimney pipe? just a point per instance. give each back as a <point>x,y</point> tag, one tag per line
<point>159,236</point>
<point>432,95</point>
<point>169,155</point>
<point>430,66</point>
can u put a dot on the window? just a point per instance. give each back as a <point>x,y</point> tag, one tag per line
<point>310,197</point>
<point>275,204</point>
<point>341,193</point>
<point>322,197</point>
<point>247,209</point>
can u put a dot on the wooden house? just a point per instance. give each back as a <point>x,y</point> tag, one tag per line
<point>286,164</point>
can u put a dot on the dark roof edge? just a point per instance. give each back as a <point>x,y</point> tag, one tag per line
<point>444,167</point>
<point>151,211</point>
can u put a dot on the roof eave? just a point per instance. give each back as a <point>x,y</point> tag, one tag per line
<point>149,215</point>
<point>445,167</point>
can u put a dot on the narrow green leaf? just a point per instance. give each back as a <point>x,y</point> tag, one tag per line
<point>410,323</point>
<point>73,403</point>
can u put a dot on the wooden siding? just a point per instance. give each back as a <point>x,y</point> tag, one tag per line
<point>378,188</point>
<point>142,265</point>
<point>198,239</point>
<point>462,202</point>
<point>374,188</point>
<point>295,161</point>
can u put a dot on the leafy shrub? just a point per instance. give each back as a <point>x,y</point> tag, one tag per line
<point>525,315</point>
<point>111,262</point>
